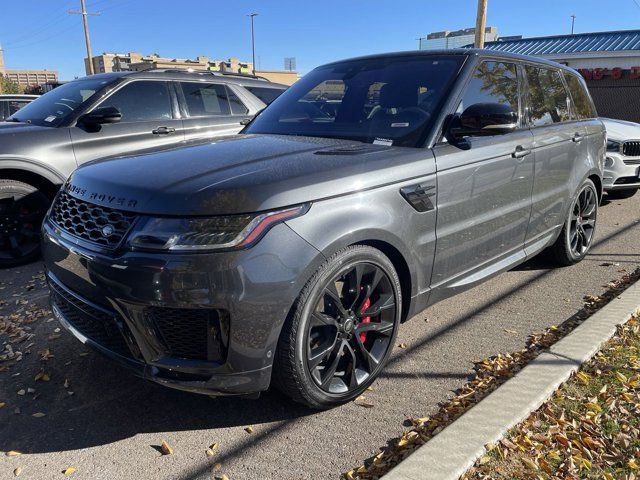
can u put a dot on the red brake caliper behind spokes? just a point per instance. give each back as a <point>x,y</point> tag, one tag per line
<point>367,304</point>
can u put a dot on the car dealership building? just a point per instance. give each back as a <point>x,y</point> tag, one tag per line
<point>609,62</point>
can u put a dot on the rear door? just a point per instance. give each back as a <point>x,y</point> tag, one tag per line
<point>210,110</point>
<point>559,143</point>
<point>150,119</point>
<point>484,189</point>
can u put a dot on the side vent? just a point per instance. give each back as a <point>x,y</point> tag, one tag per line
<point>419,196</point>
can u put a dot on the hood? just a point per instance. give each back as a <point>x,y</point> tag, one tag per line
<point>12,128</point>
<point>243,174</point>
<point>621,130</point>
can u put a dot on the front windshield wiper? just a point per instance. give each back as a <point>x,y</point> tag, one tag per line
<point>12,119</point>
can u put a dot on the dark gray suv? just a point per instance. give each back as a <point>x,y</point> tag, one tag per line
<point>105,115</point>
<point>292,253</point>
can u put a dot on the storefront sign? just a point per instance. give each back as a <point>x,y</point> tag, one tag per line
<point>611,73</point>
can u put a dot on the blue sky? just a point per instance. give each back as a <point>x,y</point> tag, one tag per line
<point>40,34</point>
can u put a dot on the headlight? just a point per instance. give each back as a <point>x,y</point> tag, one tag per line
<point>613,146</point>
<point>212,233</point>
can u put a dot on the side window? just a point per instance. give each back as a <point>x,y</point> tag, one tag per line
<point>237,107</point>
<point>581,101</point>
<point>548,99</point>
<point>14,106</point>
<point>267,95</point>
<point>492,82</point>
<point>142,101</point>
<point>204,99</point>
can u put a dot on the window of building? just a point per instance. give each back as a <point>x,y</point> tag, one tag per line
<point>204,99</point>
<point>142,101</point>
<point>548,99</point>
<point>583,106</point>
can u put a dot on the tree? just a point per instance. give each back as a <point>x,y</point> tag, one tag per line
<point>7,86</point>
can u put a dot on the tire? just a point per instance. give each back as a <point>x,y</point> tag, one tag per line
<point>622,194</point>
<point>579,228</point>
<point>22,208</point>
<point>315,325</point>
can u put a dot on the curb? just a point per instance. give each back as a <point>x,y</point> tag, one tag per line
<point>455,449</point>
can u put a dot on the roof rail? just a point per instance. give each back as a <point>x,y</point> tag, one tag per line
<point>203,72</point>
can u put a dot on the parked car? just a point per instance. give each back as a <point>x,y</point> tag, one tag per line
<point>291,253</point>
<point>11,103</point>
<point>105,115</point>
<point>621,172</point>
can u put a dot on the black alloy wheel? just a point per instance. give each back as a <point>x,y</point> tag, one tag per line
<point>578,232</point>
<point>350,328</point>
<point>22,208</point>
<point>342,329</point>
<point>583,221</point>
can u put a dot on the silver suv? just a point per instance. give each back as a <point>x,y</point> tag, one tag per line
<point>108,115</point>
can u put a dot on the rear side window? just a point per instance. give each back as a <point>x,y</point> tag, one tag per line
<point>267,95</point>
<point>492,82</point>
<point>582,103</point>
<point>548,99</point>
<point>15,105</point>
<point>237,107</point>
<point>141,101</point>
<point>204,99</point>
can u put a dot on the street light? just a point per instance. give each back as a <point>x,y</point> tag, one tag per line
<point>253,43</point>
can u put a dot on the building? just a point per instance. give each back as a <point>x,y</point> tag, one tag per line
<point>609,62</point>
<point>27,78</point>
<point>456,39</point>
<point>118,62</point>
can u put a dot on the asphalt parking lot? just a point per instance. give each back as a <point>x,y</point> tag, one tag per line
<point>112,424</point>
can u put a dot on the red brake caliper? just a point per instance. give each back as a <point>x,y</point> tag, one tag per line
<point>367,304</point>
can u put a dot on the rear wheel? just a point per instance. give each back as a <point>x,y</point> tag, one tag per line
<point>22,208</point>
<point>342,329</point>
<point>579,228</point>
<point>622,194</point>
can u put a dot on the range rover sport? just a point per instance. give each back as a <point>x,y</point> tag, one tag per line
<point>290,254</point>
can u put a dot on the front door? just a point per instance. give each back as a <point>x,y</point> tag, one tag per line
<point>149,120</point>
<point>484,189</point>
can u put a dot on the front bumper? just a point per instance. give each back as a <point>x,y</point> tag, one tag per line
<point>619,175</point>
<point>104,300</point>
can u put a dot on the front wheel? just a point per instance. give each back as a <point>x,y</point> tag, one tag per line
<point>22,208</point>
<point>342,329</point>
<point>579,228</point>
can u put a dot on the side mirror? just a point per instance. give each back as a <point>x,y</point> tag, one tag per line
<point>100,116</point>
<point>484,119</point>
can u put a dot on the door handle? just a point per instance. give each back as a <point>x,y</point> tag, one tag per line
<point>163,130</point>
<point>577,138</point>
<point>520,152</point>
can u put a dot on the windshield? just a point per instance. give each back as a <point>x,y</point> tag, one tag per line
<point>389,101</point>
<point>51,109</point>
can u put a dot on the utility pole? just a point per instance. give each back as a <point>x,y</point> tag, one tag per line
<point>481,23</point>
<point>419,43</point>
<point>573,21</point>
<point>85,24</point>
<point>253,43</point>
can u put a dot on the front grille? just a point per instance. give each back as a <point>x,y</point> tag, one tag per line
<point>103,327</point>
<point>631,148</point>
<point>195,334</point>
<point>90,222</point>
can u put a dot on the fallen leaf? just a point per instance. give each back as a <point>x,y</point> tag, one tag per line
<point>17,471</point>
<point>13,453</point>
<point>69,471</point>
<point>248,430</point>
<point>38,415</point>
<point>66,383</point>
<point>166,449</point>
<point>2,404</point>
<point>21,391</point>
<point>214,446</point>
<point>402,345</point>
<point>209,452</point>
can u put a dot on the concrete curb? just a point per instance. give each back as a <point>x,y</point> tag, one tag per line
<point>453,451</point>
